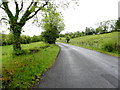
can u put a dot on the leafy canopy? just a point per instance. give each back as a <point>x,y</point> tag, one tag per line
<point>52,23</point>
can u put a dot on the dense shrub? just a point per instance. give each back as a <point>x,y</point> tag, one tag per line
<point>21,52</point>
<point>36,38</point>
<point>111,45</point>
<point>108,47</point>
<point>25,39</point>
<point>50,36</point>
<point>67,38</point>
<point>7,39</point>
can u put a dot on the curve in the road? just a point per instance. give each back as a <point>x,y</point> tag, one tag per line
<point>78,67</point>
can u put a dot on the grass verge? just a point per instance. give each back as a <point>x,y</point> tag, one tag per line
<point>23,71</point>
<point>105,43</point>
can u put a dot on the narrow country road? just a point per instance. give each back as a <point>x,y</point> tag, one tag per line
<point>78,67</point>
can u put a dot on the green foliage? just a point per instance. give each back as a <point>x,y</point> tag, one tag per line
<point>117,24</point>
<point>67,38</point>
<point>33,8</point>
<point>25,39</point>
<point>52,23</point>
<point>111,46</point>
<point>106,26</point>
<point>98,30</point>
<point>36,38</point>
<point>20,52</point>
<point>23,71</point>
<point>89,31</point>
<point>108,46</point>
<point>7,39</point>
<point>50,36</point>
<point>103,27</point>
<point>75,34</point>
<point>17,21</point>
<point>61,35</point>
<point>108,43</point>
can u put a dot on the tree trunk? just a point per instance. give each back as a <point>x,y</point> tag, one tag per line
<point>16,43</point>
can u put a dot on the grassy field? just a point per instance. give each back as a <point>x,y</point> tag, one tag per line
<point>23,71</point>
<point>105,43</point>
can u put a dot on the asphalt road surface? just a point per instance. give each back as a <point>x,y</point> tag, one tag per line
<point>78,67</point>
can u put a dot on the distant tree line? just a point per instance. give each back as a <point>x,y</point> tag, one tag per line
<point>7,39</point>
<point>102,27</point>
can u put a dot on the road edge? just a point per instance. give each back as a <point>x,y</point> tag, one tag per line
<point>34,86</point>
<point>92,49</point>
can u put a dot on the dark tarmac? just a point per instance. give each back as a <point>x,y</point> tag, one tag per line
<point>78,67</point>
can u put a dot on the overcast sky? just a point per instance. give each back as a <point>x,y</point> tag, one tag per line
<point>87,14</point>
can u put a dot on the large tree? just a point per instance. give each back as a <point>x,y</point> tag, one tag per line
<point>16,23</point>
<point>52,23</point>
<point>25,10</point>
<point>106,26</point>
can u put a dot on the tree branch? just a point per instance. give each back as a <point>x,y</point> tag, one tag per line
<point>2,7</point>
<point>17,10</point>
<point>30,5</point>
<point>21,6</point>
<point>26,14</point>
<point>37,11</point>
<point>7,10</point>
<point>4,19</point>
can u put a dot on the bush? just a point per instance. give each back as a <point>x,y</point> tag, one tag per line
<point>25,39</point>
<point>68,38</point>
<point>36,38</point>
<point>109,46</point>
<point>7,39</point>
<point>4,43</point>
<point>50,36</point>
<point>21,52</point>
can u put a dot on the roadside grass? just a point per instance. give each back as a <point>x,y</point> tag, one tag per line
<point>24,70</point>
<point>106,43</point>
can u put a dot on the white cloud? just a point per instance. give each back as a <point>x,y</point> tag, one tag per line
<point>31,29</point>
